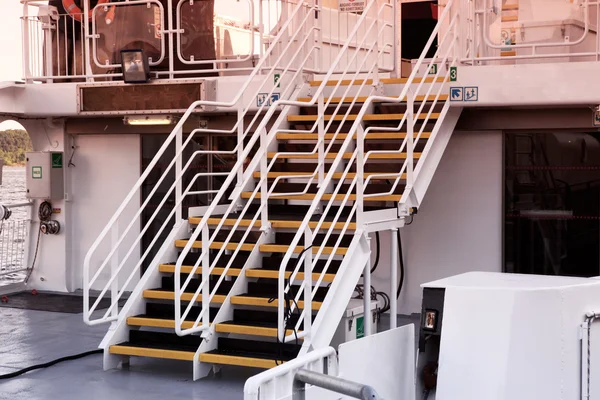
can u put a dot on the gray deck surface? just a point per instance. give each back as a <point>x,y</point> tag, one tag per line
<point>34,337</point>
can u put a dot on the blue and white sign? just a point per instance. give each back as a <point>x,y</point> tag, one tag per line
<point>467,93</point>
<point>456,94</point>
<point>471,93</point>
<point>263,99</point>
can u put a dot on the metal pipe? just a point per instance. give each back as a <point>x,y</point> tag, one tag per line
<point>586,354</point>
<point>332,383</point>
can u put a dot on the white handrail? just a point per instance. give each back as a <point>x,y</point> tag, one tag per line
<point>175,134</point>
<point>261,154</point>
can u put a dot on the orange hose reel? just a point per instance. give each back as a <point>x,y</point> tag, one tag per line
<point>75,11</point>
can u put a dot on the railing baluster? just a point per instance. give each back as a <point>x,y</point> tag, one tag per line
<point>206,276</point>
<point>308,268</point>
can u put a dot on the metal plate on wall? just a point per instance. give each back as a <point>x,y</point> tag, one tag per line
<point>153,98</point>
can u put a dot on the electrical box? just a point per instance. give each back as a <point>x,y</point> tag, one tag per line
<point>45,175</point>
<point>352,325</point>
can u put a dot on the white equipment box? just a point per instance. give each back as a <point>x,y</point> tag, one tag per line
<point>352,325</point>
<point>45,176</point>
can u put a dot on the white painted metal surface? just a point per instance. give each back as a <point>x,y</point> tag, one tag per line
<point>514,336</point>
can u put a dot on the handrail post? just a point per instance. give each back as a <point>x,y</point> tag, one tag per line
<point>367,293</point>
<point>178,173</point>
<point>410,136</point>
<point>240,140</point>
<point>205,276</point>
<point>264,184</point>
<point>376,47</point>
<point>114,268</point>
<point>360,181</point>
<point>394,278</point>
<point>308,268</point>
<point>26,49</point>
<point>171,41</point>
<point>321,137</point>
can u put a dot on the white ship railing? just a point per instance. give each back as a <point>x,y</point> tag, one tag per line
<point>15,234</point>
<point>114,253</point>
<point>377,17</point>
<point>57,50</point>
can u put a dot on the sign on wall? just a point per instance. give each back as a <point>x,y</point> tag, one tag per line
<point>352,5</point>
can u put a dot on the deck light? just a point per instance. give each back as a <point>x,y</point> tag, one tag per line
<point>134,64</point>
<point>149,120</point>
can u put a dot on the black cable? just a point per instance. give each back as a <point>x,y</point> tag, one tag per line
<point>49,364</point>
<point>45,211</point>
<point>377,254</point>
<point>401,256</point>
<point>37,246</point>
<point>44,214</point>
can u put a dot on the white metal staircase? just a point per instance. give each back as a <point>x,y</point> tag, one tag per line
<point>277,255</point>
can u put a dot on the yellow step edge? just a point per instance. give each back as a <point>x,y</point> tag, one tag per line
<point>385,81</point>
<point>165,295</point>
<point>157,323</point>
<point>248,330</point>
<point>336,175</point>
<point>327,197</point>
<point>343,136</point>
<point>268,274</point>
<point>362,99</point>
<point>154,353</point>
<point>352,117</point>
<point>264,302</point>
<point>215,245</point>
<point>186,269</point>
<point>508,53</point>
<point>347,156</point>
<point>238,361</point>
<point>264,248</point>
<point>510,7</point>
<point>510,18</point>
<point>277,224</point>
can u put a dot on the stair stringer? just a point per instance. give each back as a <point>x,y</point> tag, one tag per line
<point>118,331</point>
<point>433,152</point>
<point>225,313</point>
<point>339,294</point>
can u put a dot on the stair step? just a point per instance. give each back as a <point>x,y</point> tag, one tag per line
<point>186,269</point>
<point>250,353</point>
<point>508,53</point>
<point>267,274</point>
<point>158,345</point>
<point>362,99</point>
<point>367,117</point>
<point>157,322</point>
<point>327,197</point>
<point>343,136</point>
<point>347,156</point>
<point>510,7</point>
<point>510,18</point>
<point>249,329</point>
<point>264,248</point>
<point>277,224</point>
<point>242,300</point>
<point>336,175</point>
<point>385,81</point>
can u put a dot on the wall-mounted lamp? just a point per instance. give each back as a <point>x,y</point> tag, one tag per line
<point>134,64</point>
<point>149,120</point>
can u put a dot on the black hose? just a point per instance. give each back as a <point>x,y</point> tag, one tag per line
<point>401,256</point>
<point>49,364</point>
<point>377,252</point>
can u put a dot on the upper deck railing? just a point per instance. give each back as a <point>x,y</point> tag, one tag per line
<point>182,38</point>
<point>186,38</point>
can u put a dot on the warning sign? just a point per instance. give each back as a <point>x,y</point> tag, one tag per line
<point>352,5</point>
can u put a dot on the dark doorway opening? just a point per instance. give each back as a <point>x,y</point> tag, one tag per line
<point>552,203</point>
<point>418,22</point>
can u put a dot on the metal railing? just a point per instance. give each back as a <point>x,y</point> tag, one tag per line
<point>177,38</point>
<point>356,191</point>
<point>527,40</point>
<point>15,232</point>
<point>120,261</point>
<point>371,23</point>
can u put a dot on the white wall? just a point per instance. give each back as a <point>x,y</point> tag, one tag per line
<point>459,225</point>
<point>106,168</point>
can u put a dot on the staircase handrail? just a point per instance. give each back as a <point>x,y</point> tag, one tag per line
<point>356,128</point>
<point>175,133</point>
<point>259,157</point>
